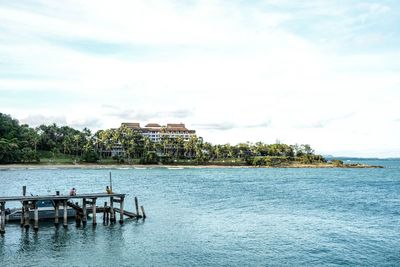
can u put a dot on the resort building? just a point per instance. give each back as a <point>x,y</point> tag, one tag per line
<point>155,131</point>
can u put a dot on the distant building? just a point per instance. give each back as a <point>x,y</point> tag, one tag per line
<point>155,131</point>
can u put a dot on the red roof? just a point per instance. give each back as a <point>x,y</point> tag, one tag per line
<point>132,125</point>
<point>152,125</point>
<point>155,127</point>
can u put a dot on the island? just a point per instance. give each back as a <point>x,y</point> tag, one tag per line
<point>153,145</point>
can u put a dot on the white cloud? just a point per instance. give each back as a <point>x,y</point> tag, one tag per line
<point>220,65</point>
<point>39,119</point>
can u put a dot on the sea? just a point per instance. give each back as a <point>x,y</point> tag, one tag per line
<point>218,217</point>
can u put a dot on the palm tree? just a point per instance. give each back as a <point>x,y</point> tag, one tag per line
<point>179,143</point>
<point>218,151</point>
<point>105,140</point>
<point>190,146</point>
<point>33,138</point>
<point>76,139</point>
<point>148,145</point>
<point>199,150</point>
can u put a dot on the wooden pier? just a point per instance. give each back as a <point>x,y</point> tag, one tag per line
<point>88,206</point>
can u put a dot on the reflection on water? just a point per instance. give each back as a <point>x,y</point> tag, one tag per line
<point>57,244</point>
<point>212,217</point>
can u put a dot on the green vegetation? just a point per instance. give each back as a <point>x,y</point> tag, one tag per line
<point>18,143</point>
<point>65,145</point>
<point>337,163</point>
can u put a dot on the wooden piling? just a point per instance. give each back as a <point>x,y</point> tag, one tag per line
<point>105,213</point>
<point>2,218</point>
<point>26,215</point>
<point>121,213</point>
<point>23,214</point>
<point>65,207</point>
<point>110,182</point>
<point>144,214</point>
<point>77,216</point>
<point>23,205</point>
<point>112,213</point>
<point>77,219</point>
<point>84,211</point>
<point>137,206</point>
<point>56,212</point>
<point>94,211</point>
<point>36,217</point>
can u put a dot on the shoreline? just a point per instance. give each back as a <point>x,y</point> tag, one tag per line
<point>172,166</point>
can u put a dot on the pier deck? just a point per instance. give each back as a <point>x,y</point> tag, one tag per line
<point>88,205</point>
<point>60,197</point>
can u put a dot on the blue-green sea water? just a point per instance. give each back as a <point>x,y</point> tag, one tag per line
<point>219,217</point>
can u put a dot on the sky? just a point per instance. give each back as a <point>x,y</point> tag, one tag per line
<point>324,73</point>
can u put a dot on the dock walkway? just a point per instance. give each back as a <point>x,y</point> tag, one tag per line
<point>59,197</point>
<point>88,205</point>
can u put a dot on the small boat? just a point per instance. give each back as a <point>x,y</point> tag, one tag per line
<point>175,168</point>
<point>45,209</point>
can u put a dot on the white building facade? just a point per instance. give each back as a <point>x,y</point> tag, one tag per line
<point>156,132</point>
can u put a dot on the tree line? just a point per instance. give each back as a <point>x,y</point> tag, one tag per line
<point>21,143</point>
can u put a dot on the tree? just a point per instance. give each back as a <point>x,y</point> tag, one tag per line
<point>20,143</point>
<point>90,156</point>
<point>190,147</point>
<point>16,141</point>
<point>9,127</point>
<point>243,150</point>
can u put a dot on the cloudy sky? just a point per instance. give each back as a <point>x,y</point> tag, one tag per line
<point>325,73</point>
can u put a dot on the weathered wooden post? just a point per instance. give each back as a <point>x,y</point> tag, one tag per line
<point>77,216</point>
<point>137,206</point>
<point>23,205</point>
<point>26,215</point>
<point>144,214</point>
<point>23,214</point>
<point>65,207</point>
<point>2,218</point>
<point>112,214</point>
<point>108,215</point>
<point>36,216</point>
<point>77,219</point>
<point>56,212</point>
<point>110,182</point>
<point>94,211</point>
<point>121,212</point>
<point>84,219</point>
<point>104,213</point>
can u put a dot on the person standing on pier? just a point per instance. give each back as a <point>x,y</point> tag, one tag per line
<point>72,192</point>
<point>108,190</point>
